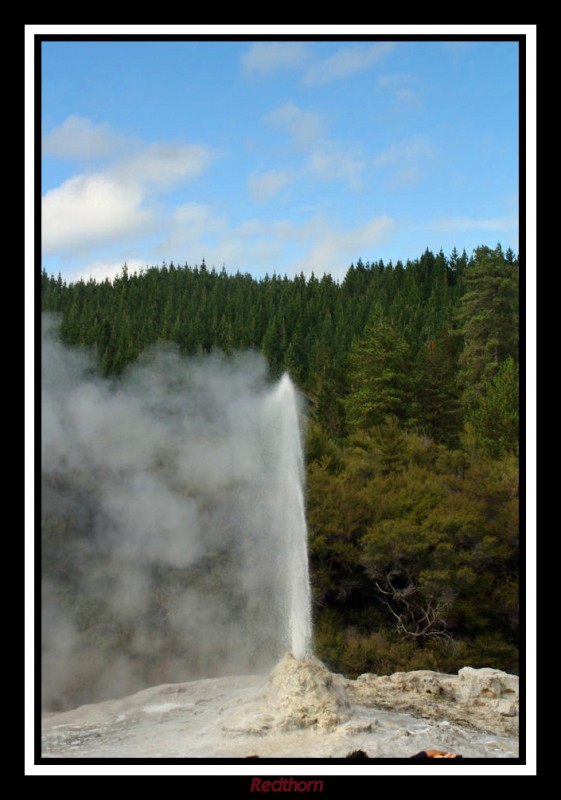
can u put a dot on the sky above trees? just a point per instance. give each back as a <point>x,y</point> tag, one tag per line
<point>275,156</point>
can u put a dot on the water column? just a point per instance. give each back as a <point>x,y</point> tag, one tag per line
<point>289,519</point>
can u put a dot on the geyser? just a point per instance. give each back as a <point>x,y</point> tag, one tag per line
<point>174,534</point>
<point>289,518</point>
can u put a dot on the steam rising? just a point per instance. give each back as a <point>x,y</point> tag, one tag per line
<point>174,538</point>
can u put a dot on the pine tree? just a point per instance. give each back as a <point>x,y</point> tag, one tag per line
<point>436,393</point>
<point>488,321</point>
<point>494,421</point>
<point>380,376</point>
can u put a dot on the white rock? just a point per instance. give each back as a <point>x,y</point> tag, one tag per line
<point>486,684</point>
<point>305,694</point>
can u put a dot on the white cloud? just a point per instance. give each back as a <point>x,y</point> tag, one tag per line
<point>408,152</point>
<point>263,58</point>
<point>88,209</point>
<point>323,161</point>
<point>117,201</point>
<point>198,232</point>
<point>263,186</point>
<point>165,163</point>
<point>460,224</point>
<point>260,253</point>
<point>346,62</point>
<point>160,162</point>
<point>101,269</point>
<point>198,218</point>
<point>305,127</point>
<point>79,138</point>
<point>334,250</point>
<point>273,246</point>
<point>266,57</point>
<point>330,164</point>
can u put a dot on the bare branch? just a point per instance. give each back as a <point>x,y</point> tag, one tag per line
<point>418,617</point>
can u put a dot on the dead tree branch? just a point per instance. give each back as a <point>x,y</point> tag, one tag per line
<point>416,616</point>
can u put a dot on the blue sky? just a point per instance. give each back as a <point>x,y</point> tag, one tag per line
<point>281,156</point>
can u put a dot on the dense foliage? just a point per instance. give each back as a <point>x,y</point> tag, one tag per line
<point>411,377</point>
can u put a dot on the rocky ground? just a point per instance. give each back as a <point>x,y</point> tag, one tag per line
<point>299,711</point>
<point>483,699</point>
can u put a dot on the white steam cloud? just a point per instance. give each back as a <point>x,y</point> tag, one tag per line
<point>160,555</point>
